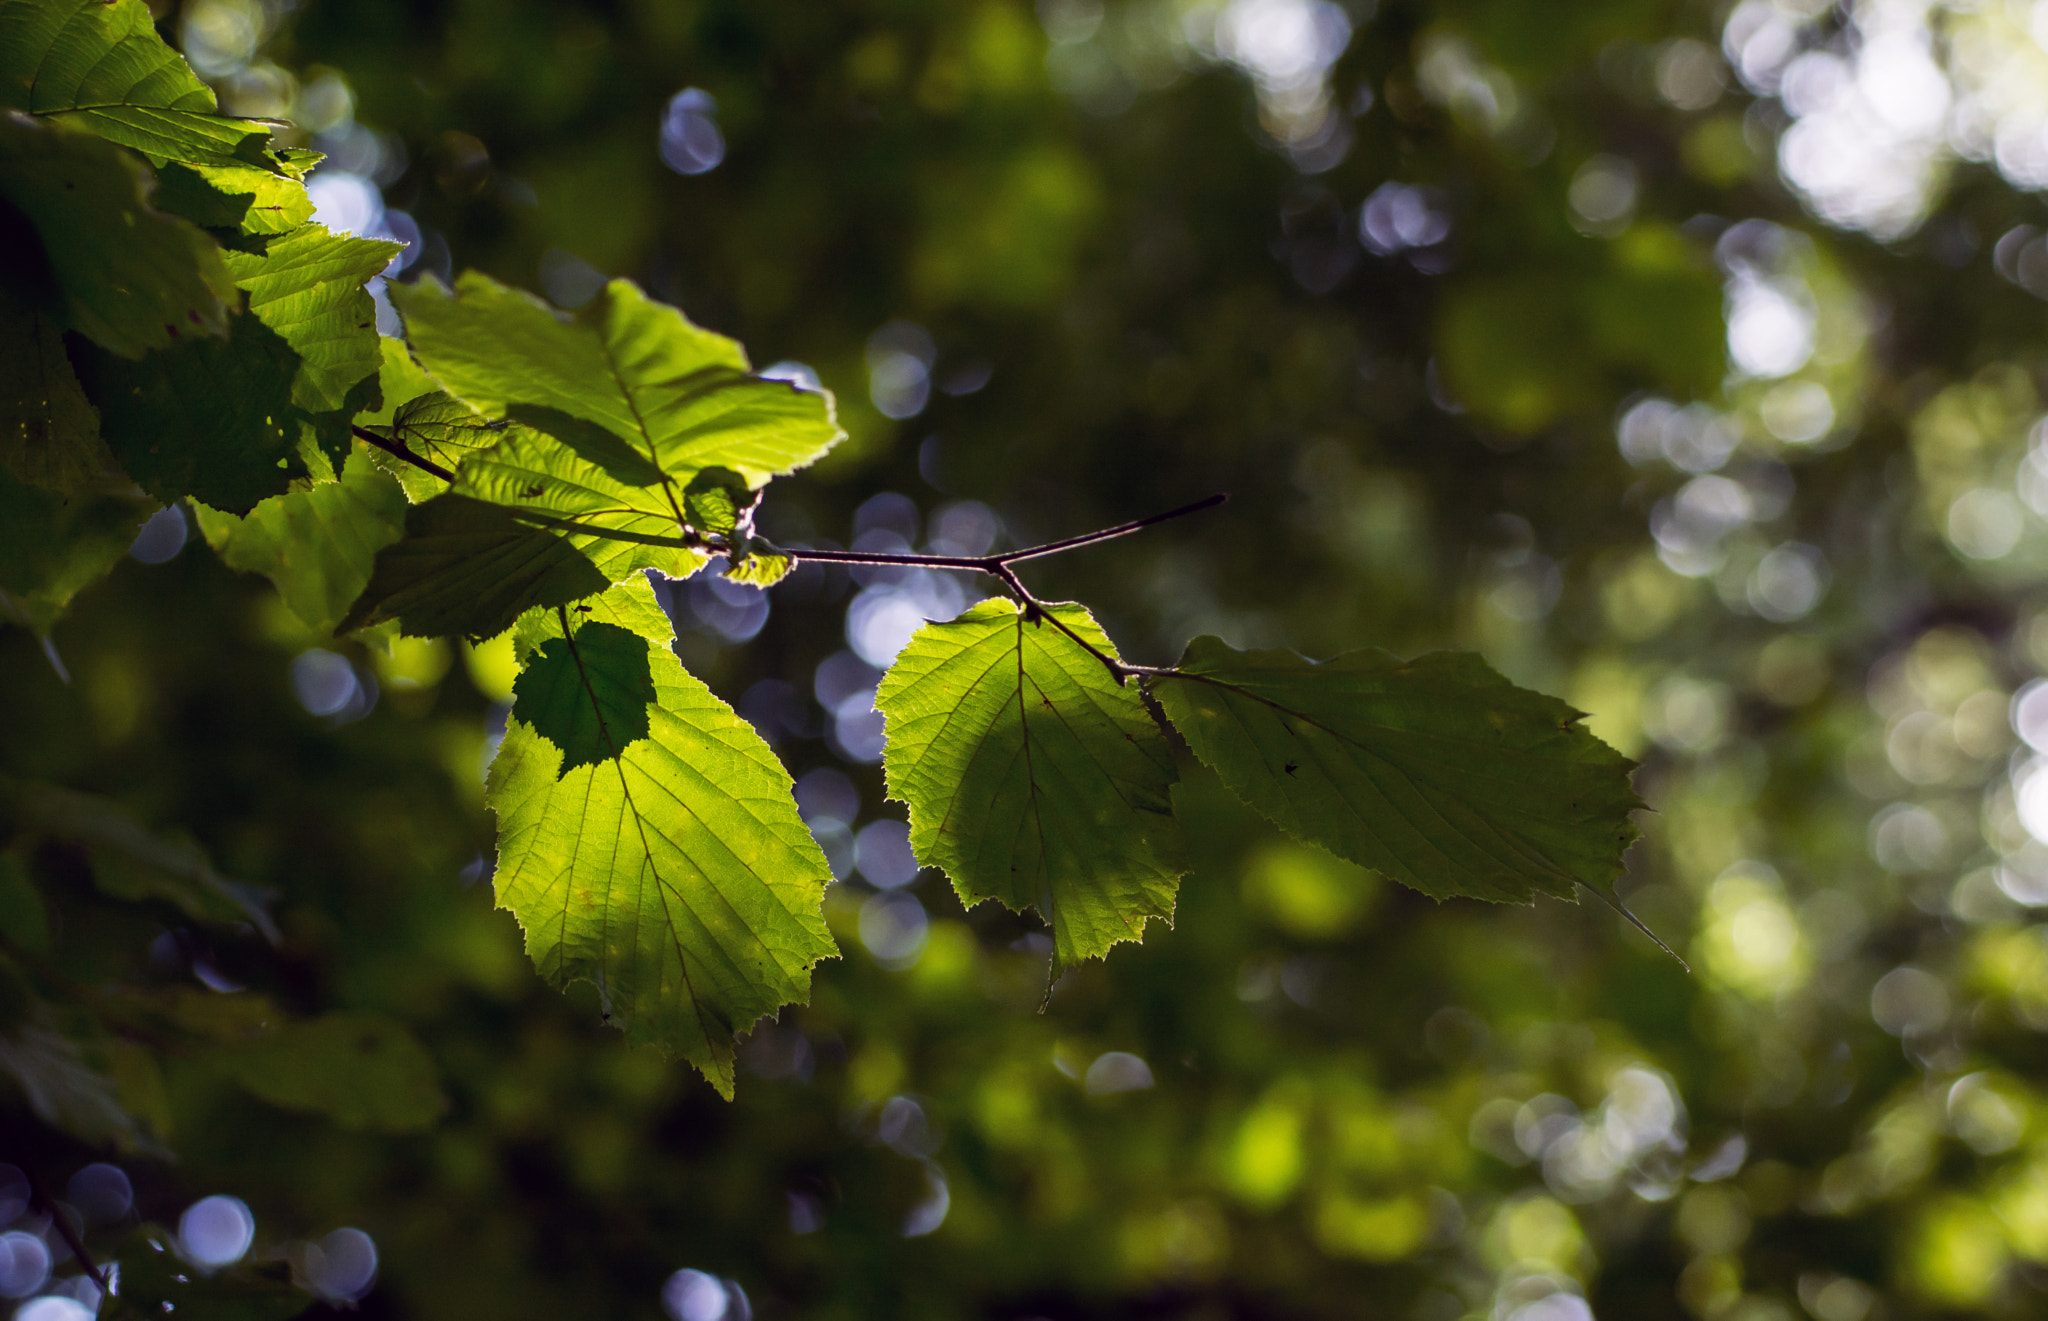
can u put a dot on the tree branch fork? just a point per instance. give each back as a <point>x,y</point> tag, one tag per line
<point>997,566</point>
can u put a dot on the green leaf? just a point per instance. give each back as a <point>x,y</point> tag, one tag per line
<point>51,548</point>
<point>245,199</point>
<point>363,1071</point>
<point>1032,776</point>
<point>438,427</point>
<point>308,287</point>
<point>588,694</point>
<point>319,545</point>
<point>49,431</point>
<point>100,65</point>
<point>537,471</point>
<point>761,570</point>
<point>126,275</point>
<point>208,418</point>
<point>676,877</point>
<point>618,407</point>
<point>131,862</point>
<point>465,568</point>
<point>62,1086</point>
<point>1436,772</point>
<point>715,501</point>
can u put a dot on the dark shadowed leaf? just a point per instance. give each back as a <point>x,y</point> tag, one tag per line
<point>587,694</point>
<point>126,275</point>
<point>363,1071</point>
<point>1436,772</point>
<point>466,568</point>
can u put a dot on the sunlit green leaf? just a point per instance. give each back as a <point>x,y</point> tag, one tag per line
<point>308,287</point>
<point>363,1071</point>
<point>100,65</point>
<point>465,568</point>
<point>319,545</point>
<point>761,570</point>
<point>118,270</point>
<point>1032,776</point>
<point>439,428</point>
<point>675,876</point>
<point>618,408</point>
<point>714,501</point>
<point>1436,772</point>
<point>248,199</point>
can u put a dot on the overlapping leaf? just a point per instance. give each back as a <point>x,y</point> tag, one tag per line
<point>1032,776</point>
<point>244,199</point>
<point>308,287</point>
<point>53,547</point>
<point>49,431</point>
<point>100,65</point>
<point>208,418</point>
<point>1435,772</point>
<point>319,545</point>
<point>439,428</point>
<point>117,270</point>
<point>615,410</point>
<point>590,699</point>
<point>675,875</point>
<point>469,569</point>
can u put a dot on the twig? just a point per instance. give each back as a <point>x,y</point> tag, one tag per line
<point>399,450</point>
<point>39,1197</point>
<point>994,565</point>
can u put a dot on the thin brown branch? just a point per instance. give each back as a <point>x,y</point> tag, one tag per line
<point>39,1197</point>
<point>399,450</point>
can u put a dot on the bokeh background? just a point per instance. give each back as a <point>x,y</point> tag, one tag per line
<point>1685,360</point>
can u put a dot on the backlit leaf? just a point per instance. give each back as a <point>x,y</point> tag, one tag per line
<point>1032,776</point>
<point>308,287</point>
<point>465,568</point>
<point>1435,772</point>
<point>247,199</point>
<point>100,65</point>
<point>319,545</point>
<point>676,877</point>
<point>618,407</point>
<point>437,427</point>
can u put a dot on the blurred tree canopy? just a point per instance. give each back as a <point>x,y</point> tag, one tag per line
<point>1687,361</point>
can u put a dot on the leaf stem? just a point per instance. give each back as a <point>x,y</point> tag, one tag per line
<point>994,565</point>
<point>399,450</point>
<point>39,1197</point>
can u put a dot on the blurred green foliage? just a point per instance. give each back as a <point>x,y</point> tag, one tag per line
<point>1686,361</point>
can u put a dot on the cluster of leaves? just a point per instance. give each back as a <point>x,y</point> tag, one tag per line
<point>190,331</point>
